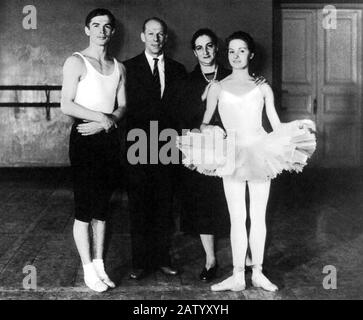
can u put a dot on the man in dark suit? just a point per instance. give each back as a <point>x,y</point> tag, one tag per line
<point>153,91</point>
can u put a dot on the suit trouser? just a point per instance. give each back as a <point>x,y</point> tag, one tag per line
<point>150,193</point>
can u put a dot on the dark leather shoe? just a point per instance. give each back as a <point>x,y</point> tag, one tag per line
<point>169,271</point>
<point>208,275</point>
<point>138,274</point>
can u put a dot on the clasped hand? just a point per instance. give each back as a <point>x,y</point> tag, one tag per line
<point>92,127</point>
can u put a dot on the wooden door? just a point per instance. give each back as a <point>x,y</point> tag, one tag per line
<point>321,80</point>
<point>339,89</point>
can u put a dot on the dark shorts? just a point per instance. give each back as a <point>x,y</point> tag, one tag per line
<point>94,160</point>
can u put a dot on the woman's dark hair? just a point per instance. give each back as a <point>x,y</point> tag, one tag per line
<point>204,32</point>
<point>244,36</point>
<point>100,12</point>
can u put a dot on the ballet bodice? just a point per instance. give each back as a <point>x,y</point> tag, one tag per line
<point>242,114</point>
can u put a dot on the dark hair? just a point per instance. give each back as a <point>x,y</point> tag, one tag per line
<point>244,36</point>
<point>204,32</point>
<point>101,12</point>
<point>162,22</point>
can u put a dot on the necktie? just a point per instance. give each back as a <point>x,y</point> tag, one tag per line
<point>157,76</point>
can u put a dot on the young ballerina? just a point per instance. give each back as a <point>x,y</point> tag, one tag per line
<point>257,158</point>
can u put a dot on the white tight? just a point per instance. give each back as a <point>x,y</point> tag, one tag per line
<point>235,195</point>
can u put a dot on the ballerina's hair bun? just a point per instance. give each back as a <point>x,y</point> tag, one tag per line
<point>244,36</point>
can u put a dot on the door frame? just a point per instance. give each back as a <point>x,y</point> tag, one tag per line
<point>277,49</point>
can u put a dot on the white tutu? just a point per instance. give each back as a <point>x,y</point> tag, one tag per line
<point>264,157</point>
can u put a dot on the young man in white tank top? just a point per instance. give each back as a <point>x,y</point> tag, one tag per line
<point>92,84</point>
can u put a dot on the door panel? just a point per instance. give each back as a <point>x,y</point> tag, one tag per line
<point>298,51</point>
<point>321,80</point>
<point>339,49</point>
<point>339,93</point>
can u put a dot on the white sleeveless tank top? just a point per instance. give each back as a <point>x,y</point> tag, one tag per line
<point>96,91</point>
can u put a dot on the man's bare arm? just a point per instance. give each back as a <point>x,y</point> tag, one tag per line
<point>121,94</point>
<point>72,72</point>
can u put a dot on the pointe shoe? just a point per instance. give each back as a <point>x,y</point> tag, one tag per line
<point>96,284</point>
<point>239,287</point>
<point>259,280</point>
<point>232,283</point>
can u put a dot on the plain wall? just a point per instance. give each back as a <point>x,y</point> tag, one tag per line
<point>35,57</point>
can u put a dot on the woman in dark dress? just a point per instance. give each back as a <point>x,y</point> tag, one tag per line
<point>204,208</point>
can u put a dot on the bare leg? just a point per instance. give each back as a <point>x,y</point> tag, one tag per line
<point>259,192</point>
<point>235,196</point>
<point>208,245</point>
<point>82,240</point>
<point>99,231</point>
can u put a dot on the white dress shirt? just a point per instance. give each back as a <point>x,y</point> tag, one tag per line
<point>161,67</point>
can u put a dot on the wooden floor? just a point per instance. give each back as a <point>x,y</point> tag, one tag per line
<point>315,219</point>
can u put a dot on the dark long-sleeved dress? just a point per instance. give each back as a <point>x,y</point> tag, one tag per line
<point>203,204</point>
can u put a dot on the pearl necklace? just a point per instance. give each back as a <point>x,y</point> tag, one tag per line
<point>214,77</point>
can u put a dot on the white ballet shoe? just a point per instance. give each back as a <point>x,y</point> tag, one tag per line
<point>233,283</point>
<point>259,280</point>
<point>101,273</point>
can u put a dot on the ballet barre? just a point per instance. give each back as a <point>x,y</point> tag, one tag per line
<point>47,104</point>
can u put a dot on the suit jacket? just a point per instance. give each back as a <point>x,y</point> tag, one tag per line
<point>143,102</point>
